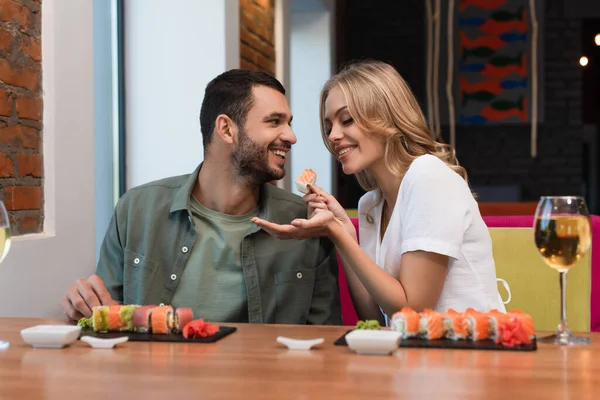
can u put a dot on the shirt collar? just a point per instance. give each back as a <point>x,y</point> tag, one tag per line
<point>267,207</point>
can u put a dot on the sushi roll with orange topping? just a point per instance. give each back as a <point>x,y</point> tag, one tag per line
<point>308,177</point>
<point>478,325</point>
<point>497,320</point>
<point>455,325</point>
<point>431,325</point>
<point>406,321</point>
<point>162,320</point>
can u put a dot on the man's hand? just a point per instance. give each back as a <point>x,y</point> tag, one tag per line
<point>85,294</point>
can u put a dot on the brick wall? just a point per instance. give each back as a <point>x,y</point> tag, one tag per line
<point>21,172</point>
<point>257,38</point>
<point>395,31</point>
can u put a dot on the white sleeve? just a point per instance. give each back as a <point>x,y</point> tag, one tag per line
<point>434,208</point>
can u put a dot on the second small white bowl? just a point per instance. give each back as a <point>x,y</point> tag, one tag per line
<point>51,336</point>
<point>381,342</point>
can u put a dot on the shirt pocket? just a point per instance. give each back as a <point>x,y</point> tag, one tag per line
<point>294,291</point>
<point>138,277</point>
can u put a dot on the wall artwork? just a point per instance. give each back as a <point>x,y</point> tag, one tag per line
<point>493,67</point>
<point>484,64</point>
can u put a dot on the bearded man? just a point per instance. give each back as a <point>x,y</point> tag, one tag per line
<point>188,241</point>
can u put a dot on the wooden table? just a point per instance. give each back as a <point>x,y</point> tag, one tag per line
<point>249,364</point>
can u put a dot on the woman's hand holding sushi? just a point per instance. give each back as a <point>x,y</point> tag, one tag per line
<point>84,295</point>
<point>325,214</point>
<point>320,199</point>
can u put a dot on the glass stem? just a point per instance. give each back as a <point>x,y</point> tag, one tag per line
<point>563,327</point>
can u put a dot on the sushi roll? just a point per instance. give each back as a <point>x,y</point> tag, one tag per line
<point>141,319</point>
<point>431,325</point>
<point>406,321</point>
<point>497,320</point>
<point>526,322</point>
<point>100,318</point>
<point>162,320</point>
<point>126,315</point>
<point>307,177</point>
<point>455,325</point>
<point>478,325</point>
<point>183,316</point>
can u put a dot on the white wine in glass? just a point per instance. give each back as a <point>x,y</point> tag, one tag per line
<point>4,245</point>
<point>563,236</point>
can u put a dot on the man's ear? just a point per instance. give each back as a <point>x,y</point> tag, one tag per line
<point>226,129</point>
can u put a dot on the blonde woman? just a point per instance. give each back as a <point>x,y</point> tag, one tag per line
<point>423,243</point>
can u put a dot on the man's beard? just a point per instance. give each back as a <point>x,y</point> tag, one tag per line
<point>251,162</point>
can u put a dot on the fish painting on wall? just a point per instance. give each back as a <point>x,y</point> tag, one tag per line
<point>493,62</point>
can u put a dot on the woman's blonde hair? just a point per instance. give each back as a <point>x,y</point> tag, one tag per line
<point>381,103</point>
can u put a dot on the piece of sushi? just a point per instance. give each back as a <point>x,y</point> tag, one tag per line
<point>100,318</point>
<point>126,314</point>
<point>406,321</point>
<point>307,177</point>
<point>183,316</point>
<point>162,320</point>
<point>431,325</point>
<point>526,322</point>
<point>497,319</point>
<point>478,325</point>
<point>455,325</point>
<point>141,319</point>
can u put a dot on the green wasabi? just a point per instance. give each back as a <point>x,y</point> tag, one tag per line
<point>85,322</point>
<point>369,324</point>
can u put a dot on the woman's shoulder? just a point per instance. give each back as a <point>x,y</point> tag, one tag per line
<point>429,169</point>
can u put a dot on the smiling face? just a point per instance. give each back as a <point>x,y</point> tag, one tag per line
<point>265,139</point>
<point>356,150</point>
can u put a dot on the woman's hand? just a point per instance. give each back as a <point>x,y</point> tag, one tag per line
<point>319,224</point>
<point>318,199</point>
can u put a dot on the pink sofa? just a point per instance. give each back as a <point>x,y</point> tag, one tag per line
<point>349,316</point>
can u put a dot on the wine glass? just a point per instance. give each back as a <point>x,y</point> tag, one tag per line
<point>4,246</point>
<point>562,232</point>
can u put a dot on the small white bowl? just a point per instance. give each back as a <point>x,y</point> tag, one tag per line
<point>51,336</point>
<point>382,342</point>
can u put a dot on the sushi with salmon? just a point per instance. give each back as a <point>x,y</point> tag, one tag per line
<point>406,321</point>
<point>478,325</point>
<point>162,320</point>
<point>307,177</point>
<point>431,325</point>
<point>455,325</point>
<point>497,320</point>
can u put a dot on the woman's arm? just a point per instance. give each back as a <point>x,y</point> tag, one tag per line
<point>422,277</point>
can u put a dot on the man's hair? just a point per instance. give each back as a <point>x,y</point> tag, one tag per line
<point>231,94</point>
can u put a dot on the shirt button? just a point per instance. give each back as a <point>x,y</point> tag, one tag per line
<point>136,261</point>
<point>299,275</point>
<point>173,277</point>
<point>184,249</point>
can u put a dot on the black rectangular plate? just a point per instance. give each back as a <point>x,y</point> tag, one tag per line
<point>149,337</point>
<point>451,344</point>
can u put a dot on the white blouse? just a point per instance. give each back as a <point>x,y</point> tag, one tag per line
<point>435,212</point>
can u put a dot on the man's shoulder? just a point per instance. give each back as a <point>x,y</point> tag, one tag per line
<point>165,187</point>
